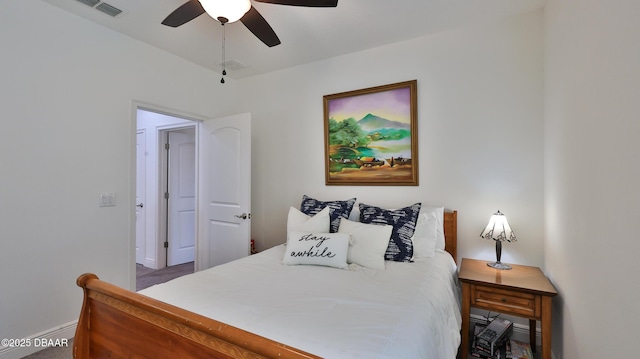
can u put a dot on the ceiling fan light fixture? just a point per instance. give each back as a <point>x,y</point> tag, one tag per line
<point>231,10</point>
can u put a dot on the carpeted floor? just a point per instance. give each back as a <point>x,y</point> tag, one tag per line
<point>145,277</point>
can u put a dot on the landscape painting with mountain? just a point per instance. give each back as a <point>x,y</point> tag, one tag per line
<point>371,136</point>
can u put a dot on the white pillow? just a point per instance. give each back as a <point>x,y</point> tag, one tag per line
<point>439,211</point>
<point>368,243</point>
<point>323,249</point>
<point>425,236</point>
<point>298,221</point>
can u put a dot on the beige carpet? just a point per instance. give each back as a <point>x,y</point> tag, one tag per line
<point>145,277</point>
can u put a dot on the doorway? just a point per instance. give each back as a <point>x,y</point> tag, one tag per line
<point>165,189</point>
<point>223,188</point>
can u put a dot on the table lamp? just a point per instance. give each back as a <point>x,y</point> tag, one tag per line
<point>498,229</point>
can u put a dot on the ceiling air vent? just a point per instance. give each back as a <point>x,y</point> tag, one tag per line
<point>108,9</point>
<point>233,65</point>
<point>91,3</point>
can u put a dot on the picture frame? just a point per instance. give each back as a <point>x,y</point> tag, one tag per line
<point>371,136</point>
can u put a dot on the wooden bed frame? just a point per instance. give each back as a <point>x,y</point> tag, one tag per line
<point>117,323</point>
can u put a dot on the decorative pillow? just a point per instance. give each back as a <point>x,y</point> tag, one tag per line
<point>338,209</point>
<point>426,235</point>
<point>368,243</point>
<point>403,220</point>
<point>298,221</point>
<point>323,249</point>
<point>439,211</point>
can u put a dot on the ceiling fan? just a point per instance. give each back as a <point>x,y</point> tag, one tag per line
<point>227,11</point>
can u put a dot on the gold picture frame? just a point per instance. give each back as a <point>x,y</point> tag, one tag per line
<point>371,136</point>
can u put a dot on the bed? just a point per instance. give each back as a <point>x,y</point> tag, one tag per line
<point>265,309</point>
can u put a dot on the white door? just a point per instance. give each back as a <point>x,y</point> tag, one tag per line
<point>224,222</point>
<point>181,224</point>
<point>140,196</point>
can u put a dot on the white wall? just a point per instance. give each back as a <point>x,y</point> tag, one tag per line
<point>592,173</point>
<point>68,134</point>
<point>480,131</point>
<point>479,128</point>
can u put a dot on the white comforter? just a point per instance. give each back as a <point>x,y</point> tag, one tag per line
<point>408,310</point>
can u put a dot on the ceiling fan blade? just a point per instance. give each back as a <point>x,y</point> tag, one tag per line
<point>260,27</point>
<point>185,13</point>
<point>308,3</point>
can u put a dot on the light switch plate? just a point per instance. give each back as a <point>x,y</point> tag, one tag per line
<point>107,199</point>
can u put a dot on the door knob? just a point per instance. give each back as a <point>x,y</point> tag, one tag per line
<point>243,216</point>
<point>139,205</point>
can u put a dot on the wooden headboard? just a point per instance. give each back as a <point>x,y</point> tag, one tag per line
<point>451,233</point>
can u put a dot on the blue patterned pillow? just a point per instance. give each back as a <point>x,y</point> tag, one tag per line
<point>337,210</point>
<point>403,220</point>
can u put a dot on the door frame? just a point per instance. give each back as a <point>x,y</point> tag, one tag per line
<point>140,238</point>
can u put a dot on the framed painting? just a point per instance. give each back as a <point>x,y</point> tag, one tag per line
<point>371,136</point>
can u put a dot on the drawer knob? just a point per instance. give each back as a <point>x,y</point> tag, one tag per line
<point>504,300</point>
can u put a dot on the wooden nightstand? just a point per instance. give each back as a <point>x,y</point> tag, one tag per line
<point>522,291</point>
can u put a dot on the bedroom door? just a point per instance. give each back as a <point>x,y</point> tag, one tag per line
<point>224,223</point>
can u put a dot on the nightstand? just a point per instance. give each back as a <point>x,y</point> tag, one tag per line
<point>521,291</point>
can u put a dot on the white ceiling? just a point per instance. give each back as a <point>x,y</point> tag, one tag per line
<point>307,34</point>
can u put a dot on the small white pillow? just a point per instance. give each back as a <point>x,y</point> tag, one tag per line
<point>426,235</point>
<point>439,211</point>
<point>323,249</point>
<point>298,221</point>
<point>368,243</point>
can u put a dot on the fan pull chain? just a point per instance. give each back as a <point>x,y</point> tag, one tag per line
<point>224,63</point>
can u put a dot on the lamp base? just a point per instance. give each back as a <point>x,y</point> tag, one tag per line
<point>498,265</point>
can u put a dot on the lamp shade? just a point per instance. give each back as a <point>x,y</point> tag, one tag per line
<point>498,229</point>
<point>232,10</point>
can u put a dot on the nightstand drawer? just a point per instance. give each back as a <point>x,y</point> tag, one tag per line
<point>506,301</point>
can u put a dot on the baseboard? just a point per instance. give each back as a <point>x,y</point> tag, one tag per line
<point>150,263</point>
<point>40,341</point>
<point>520,331</point>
